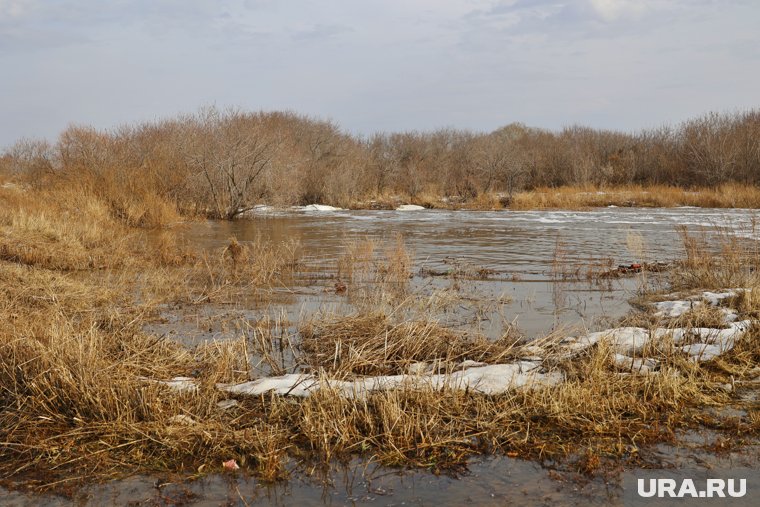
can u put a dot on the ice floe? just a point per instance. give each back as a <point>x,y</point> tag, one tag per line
<point>674,308</point>
<point>410,207</point>
<point>699,343</point>
<point>487,379</point>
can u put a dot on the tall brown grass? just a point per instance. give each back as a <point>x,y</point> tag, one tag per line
<point>719,259</point>
<point>728,195</point>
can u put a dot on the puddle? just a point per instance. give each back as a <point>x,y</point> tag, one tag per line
<point>497,480</point>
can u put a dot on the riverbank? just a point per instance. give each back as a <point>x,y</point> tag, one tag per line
<point>89,394</point>
<point>580,197</point>
<point>218,163</point>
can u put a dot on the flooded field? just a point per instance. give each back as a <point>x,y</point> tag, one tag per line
<point>539,270</point>
<point>533,271</point>
<point>492,481</point>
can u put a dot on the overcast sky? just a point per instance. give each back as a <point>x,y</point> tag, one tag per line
<point>375,65</point>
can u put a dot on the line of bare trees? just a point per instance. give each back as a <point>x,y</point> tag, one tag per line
<point>222,162</point>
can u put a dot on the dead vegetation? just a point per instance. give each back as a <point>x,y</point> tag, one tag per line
<point>719,258</point>
<point>373,344</point>
<point>221,163</point>
<point>728,195</point>
<point>79,397</point>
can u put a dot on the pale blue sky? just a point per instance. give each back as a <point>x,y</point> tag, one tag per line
<point>375,65</point>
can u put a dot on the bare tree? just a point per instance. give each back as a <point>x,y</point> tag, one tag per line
<point>32,158</point>
<point>710,148</point>
<point>322,155</point>
<point>410,153</point>
<point>500,161</point>
<point>381,163</point>
<point>230,151</point>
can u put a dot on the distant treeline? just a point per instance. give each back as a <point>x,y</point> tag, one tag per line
<point>220,162</point>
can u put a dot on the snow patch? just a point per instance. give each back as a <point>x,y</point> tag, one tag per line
<point>293,384</point>
<point>628,346</point>
<point>182,384</point>
<point>674,308</point>
<point>318,207</point>
<point>634,364</point>
<point>488,379</point>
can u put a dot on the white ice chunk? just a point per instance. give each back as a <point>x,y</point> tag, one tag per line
<point>410,207</point>
<point>628,340</point>
<point>184,384</point>
<point>293,384</point>
<point>469,363</point>
<point>320,207</point>
<point>715,343</point>
<point>624,340</point>
<point>729,315</point>
<point>715,298</point>
<point>634,364</point>
<point>500,378</point>
<point>703,351</point>
<point>675,308</point>
<point>489,379</point>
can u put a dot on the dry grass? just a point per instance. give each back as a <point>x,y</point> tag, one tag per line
<point>77,402</point>
<point>374,275</point>
<point>597,409</point>
<point>718,259</point>
<point>64,232</point>
<point>373,344</point>
<point>76,286</point>
<point>578,197</point>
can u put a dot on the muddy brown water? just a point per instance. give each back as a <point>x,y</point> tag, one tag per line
<point>489,481</point>
<point>528,252</point>
<point>537,261</point>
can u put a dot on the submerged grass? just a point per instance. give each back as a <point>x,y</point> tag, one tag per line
<point>79,398</point>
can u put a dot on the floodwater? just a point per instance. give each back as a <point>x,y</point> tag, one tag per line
<point>540,265</point>
<point>536,264</point>
<point>489,481</point>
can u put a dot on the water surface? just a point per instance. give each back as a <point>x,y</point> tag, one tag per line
<point>539,260</point>
<point>532,256</point>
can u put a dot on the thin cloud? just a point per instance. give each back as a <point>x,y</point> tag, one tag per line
<point>376,64</point>
<point>322,32</point>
